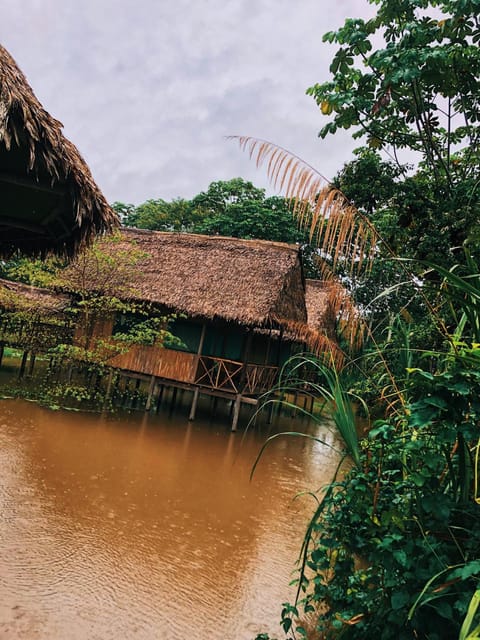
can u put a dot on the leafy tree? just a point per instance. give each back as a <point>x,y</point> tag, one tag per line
<point>39,273</point>
<point>420,92</point>
<point>266,219</point>
<point>377,189</point>
<point>123,210</point>
<point>220,195</point>
<point>160,215</point>
<point>369,182</point>
<point>101,281</point>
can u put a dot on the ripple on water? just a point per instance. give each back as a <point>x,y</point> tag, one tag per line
<point>145,528</point>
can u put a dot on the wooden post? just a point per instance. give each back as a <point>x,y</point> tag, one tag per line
<point>108,392</point>
<point>269,344</point>
<point>214,406</point>
<point>32,364</point>
<point>151,390</point>
<point>172,401</point>
<point>199,350</point>
<point>236,411</point>
<point>23,365</point>
<point>126,390</point>
<point>159,399</point>
<point>193,408</point>
<point>279,350</point>
<point>246,354</point>
<point>138,382</point>
<point>295,404</point>
<point>2,350</point>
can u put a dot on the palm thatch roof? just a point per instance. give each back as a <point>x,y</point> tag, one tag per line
<point>16,296</point>
<point>248,282</point>
<point>49,200</point>
<point>316,300</point>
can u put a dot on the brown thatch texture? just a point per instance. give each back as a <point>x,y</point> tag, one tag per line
<point>316,300</point>
<point>318,333</point>
<point>16,296</point>
<point>249,282</point>
<point>49,200</point>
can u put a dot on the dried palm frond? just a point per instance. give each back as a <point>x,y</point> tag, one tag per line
<point>341,313</point>
<point>342,232</point>
<point>316,342</point>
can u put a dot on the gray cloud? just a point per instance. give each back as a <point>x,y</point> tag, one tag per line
<point>147,90</point>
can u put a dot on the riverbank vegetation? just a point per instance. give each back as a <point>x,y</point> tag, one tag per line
<point>392,550</point>
<point>67,335</point>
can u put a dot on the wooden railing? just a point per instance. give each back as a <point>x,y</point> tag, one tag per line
<point>233,376</point>
<point>259,378</point>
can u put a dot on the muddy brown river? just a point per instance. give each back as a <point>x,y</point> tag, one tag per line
<point>148,527</point>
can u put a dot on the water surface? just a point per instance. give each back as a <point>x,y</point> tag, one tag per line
<point>147,526</point>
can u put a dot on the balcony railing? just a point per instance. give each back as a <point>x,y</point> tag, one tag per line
<point>235,377</point>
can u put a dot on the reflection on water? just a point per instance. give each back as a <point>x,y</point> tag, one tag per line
<point>146,526</point>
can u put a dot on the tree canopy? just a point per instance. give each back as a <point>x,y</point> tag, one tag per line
<point>409,80</point>
<point>229,208</point>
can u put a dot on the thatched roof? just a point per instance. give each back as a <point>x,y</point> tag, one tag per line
<point>318,332</point>
<point>316,298</point>
<point>16,296</point>
<point>48,201</point>
<point>249,282</point>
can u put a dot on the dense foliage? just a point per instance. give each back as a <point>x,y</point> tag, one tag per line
<point>81,337</point>
<point>392,551</point>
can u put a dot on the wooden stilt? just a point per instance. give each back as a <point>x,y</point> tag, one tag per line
<point>126,392</point>
<point>159,399</point>
<point>138,382</point>
<point>151,390</point>
<point>236,411</point>
<point>115,386</point>
<point>173,400</point>
<point>23,365</point>
<point>199,351</point>
<point>108,392</point>
<point>193,408</point>
<point>31,364</point>
<point>180,396</point>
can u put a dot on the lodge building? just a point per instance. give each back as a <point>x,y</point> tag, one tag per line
<point>239,308</point>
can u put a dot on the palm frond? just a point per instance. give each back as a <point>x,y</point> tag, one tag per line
<point>334,224</point>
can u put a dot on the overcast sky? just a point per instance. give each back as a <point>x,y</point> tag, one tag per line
<point>147,89</point>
